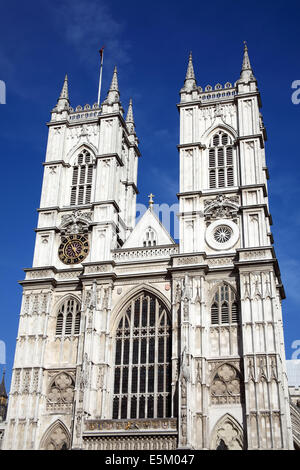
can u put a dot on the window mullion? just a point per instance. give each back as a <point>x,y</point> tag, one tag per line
<point>139,357</point>
<point>129,393</point>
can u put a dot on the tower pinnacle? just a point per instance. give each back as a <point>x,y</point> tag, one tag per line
<point>129,118</point>
<point>114,83</point>
<point>190,80</point>
<point>63,100</point>
<point>246,72</point>
<point>64,94</point>
<point>113,95</point>
<point>3,393</point>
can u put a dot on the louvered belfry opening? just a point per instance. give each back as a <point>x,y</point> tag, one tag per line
<point>224,308</point>
<point>68,318</point>
<point>220,161</point>
<point>142,373</point>
<point>82,179</point>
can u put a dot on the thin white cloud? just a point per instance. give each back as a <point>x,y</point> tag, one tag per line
<point>90,25</point>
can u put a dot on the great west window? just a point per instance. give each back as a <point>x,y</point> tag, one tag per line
<point>142,374</point>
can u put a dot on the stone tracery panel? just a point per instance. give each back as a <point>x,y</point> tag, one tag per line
<point>61,391</point>
<point>226,386</point>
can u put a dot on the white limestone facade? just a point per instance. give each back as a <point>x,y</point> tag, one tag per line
<point>128,340</point>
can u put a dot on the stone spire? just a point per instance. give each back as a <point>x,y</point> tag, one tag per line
<point>63,100</point>
<point>246,72</point>
<point>190,80</point>
<point>113,95</point>
<point>2,387</point>
<point>64,94</point>
<point>3,399</point>
<point>130,119</point>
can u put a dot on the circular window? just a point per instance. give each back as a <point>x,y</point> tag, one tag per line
<point>222,234</point>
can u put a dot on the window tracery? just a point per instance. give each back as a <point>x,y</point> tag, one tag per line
<point>82,179</point>
<point>224,309</point>
<point>68,318</point>
<point>142,372</point>
<point>226,385</point>
<point>220,161</point>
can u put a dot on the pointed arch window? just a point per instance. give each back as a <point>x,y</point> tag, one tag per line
<point>82,179</point>
<point>224,308</point>
<point>142,371</point>
<point>220,161</point>
<point>68,318</point>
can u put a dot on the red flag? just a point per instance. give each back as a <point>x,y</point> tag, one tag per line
<point>101,51</point>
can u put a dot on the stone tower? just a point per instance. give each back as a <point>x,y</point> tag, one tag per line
<point>126,339</point>
<point>233,333</point>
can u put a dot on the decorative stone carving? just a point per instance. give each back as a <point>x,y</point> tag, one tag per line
<point>77,222</point>
<point>57,438</point>
<point>39,274</point>
<point>221,207</point>
<point>226,386</point>
<point>146,253</point>
<point>227,435</point>
<point>131,442</point>
<point>154,424</point>
<point>61,390</point>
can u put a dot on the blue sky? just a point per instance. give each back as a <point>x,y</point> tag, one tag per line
<point>149,42</point>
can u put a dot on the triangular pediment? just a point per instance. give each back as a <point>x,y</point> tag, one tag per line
<point>149,231</point>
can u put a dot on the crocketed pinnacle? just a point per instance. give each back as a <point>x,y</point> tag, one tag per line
<point>246,72</point>
<point>190,80</point>
<point>64,94</point>
<point>2,387</point>
<point>113,95</point>
<point>130,118</point>
<point>190,74</point>
<point>114,83</point>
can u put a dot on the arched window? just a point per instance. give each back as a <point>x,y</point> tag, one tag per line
<point>82,179</point>
<point>149,237</point>
<point>68,318</point>
<point>224,308</point>
<point>220,161</point>
<point>142,372</point>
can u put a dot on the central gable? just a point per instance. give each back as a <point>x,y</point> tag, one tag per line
<point>149,231</point>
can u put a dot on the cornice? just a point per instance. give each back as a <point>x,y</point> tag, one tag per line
<point>251,137</point>
<point>110,155</point>
<point>57,162</point>
<point>192,144</point>
<point>101,203</point>
<point>131,183</point>
<point>259,206</point>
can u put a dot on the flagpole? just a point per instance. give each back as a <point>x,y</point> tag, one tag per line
<point>100,76</point>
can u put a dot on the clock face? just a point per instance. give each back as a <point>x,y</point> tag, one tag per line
<point>73,249</point>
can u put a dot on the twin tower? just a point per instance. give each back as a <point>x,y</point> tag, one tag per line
<point>128,340</point>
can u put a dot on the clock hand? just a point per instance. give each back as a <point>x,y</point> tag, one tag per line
<point>72,249</point>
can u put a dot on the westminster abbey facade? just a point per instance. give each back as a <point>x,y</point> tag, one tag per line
<point>128,340</point>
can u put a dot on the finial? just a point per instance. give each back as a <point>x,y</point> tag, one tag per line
<point>151,202</point>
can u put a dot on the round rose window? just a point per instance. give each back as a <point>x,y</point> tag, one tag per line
<point>222,233</point>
